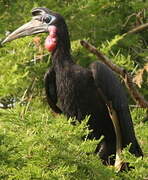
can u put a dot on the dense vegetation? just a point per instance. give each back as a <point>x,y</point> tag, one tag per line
<point>35,143</point>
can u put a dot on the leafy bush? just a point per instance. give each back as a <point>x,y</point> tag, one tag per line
<point>38,145</point>
<point>35,143</point>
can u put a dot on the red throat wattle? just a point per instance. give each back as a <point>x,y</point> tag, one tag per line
<point>51,40</point>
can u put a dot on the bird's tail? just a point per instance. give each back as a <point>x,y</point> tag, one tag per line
<point>128,133</point>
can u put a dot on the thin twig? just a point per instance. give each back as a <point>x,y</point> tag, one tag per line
<point>140,16</point>
<point>134,106</point>
<point>137,97</point>
<point>128,18</point>
<point>38,58</point>
<point>28,90</point>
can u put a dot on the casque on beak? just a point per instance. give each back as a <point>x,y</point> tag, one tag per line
<point>32,27</point>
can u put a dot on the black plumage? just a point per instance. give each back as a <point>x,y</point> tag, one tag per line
<point>77,89</point>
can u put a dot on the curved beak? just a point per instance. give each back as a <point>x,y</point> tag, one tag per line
<point>32,27</point>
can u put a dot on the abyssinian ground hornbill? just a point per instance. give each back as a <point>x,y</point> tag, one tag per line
<point>77,88</point>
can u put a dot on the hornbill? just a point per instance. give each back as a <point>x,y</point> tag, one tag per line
<point>77,88</point>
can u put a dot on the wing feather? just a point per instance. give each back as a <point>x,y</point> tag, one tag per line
<point>106,80</point>
<point>50,89</point>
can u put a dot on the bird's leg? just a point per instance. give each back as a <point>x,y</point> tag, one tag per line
<point>106,151</point>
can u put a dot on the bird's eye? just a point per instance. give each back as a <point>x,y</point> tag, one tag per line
<point>47,19</point>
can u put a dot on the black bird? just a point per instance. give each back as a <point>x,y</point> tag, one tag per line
<point>77,88</point>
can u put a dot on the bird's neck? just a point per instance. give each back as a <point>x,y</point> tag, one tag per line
<point>61,56</point>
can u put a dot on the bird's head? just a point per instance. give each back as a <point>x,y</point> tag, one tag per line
<point>43,21</point>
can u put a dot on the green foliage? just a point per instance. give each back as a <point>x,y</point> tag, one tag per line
<point>37,145</point>
<point>34,142</point>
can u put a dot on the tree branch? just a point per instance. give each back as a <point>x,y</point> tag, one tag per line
<point>137,29</point>
<point>137,97</point>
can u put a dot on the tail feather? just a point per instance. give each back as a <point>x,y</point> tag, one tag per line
<point>128,133</point>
